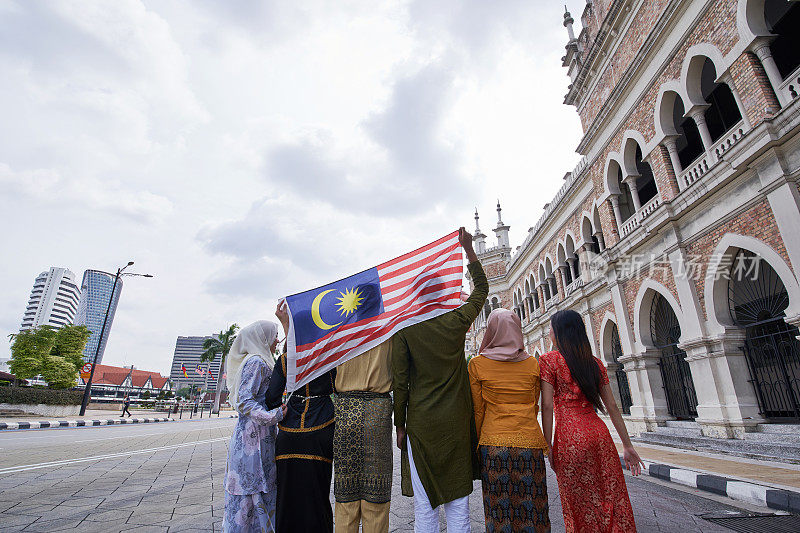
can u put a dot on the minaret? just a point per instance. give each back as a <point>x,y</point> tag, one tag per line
<point>568,21</point>
<point>479,238</point>
<point>501,230</point>
<point>572,59</point>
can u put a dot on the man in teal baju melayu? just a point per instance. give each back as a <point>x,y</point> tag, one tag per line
<point>433,408</point>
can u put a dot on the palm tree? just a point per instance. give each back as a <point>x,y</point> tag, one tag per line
<point>220,344</point>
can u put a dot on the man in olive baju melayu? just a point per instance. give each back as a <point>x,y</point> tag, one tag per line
<point>433,408</point>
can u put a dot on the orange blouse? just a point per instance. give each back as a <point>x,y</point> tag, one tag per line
<point>505,397</point>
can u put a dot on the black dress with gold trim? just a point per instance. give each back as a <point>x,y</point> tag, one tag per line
<point>304,453</point>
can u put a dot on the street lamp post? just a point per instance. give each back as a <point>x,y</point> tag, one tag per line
<point>87,391</point>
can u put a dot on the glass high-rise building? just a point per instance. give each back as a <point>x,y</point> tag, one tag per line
<point>95,295</point>
<point>53,300</point>
<point>187,353</point>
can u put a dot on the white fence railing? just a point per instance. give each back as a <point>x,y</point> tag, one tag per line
<point>645,211</point>
<point>711,157</point>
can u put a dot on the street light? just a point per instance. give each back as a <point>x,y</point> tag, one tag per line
<point>87,391</point>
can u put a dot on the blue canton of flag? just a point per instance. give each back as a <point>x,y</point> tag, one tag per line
<point>321,311</point>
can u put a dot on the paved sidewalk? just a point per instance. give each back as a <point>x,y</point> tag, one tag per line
<point>763,483</point>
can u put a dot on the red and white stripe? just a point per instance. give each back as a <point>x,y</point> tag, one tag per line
<point>415,287</point>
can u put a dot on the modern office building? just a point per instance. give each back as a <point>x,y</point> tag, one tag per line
<point>95,295</point>
<point>54,300</point>
<point>187,353</point>
<point>676,235</point>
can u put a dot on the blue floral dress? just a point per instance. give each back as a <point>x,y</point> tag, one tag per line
<point>250,486</point>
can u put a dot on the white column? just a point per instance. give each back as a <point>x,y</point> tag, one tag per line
<point>784,200</point>
<point>672,148</point>
<point>571,263</point>
<point>697,114</point>
<point>599,236</point>
<point>617,215</point>
<point>764,54</point>
<point>630,181</point>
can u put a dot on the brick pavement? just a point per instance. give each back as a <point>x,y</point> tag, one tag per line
<point>180,489</point>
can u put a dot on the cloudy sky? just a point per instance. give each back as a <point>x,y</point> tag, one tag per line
<point>242,150</point>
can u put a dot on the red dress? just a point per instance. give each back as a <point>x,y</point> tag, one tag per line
<point>590,479</point>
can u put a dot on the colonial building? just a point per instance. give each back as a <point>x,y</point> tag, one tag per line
<point>116,382</point>
<point>677,237</point>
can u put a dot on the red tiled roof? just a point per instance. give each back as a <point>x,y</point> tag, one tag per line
<point>114,375</point>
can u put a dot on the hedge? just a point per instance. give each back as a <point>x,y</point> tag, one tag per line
<point>36,395</point>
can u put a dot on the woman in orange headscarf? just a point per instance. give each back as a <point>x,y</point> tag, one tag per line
<point>505,394</point>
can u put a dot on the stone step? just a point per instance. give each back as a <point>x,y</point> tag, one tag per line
<point>787,438</point>
<point>788,429</point>
<point>685,424</point>
<point>678,431</point>
<point>775,450</point>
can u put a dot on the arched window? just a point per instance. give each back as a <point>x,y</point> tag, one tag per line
<point>689,143</point>
<point>625,399</point>
<point>675,372</point>
<point>722,113</point>
<point>783,20</point>
<point>757,299</point>
<point>645,183</point>
<point>626,207</point>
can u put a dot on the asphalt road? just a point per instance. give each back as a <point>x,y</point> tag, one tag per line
<point>167,477</point>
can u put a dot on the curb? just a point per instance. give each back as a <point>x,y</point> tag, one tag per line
<point>743,491</point>
<point>79,423</point>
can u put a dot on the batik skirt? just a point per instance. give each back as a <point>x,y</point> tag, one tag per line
<point>514,484</point>
<point>362,447</point>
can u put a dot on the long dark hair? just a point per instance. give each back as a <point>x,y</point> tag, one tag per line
<point>572,342</point>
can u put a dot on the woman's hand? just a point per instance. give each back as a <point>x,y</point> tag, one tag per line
<point>284,408</point>
<point>551,459</point>
<point>633,462</point>
<point>282,312</point>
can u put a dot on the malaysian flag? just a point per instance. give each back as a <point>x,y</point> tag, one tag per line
<point>336,322</point>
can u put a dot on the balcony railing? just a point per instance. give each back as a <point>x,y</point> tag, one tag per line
<point>790,88</point>
<point>701,166</point>
<point>636,219</point>
<point>572,287</point>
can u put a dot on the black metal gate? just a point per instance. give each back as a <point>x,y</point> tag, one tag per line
<point>675,372</point>
<point>757,300</point>
<point>625,399</point>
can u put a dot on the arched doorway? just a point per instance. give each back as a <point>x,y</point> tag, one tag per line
<point>665,330</point>
<point>757,299</point>
<point>625,399</point>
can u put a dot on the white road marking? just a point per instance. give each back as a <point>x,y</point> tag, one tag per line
<point>52,464</point>
<point>18,435</point>
<point>134,435</point>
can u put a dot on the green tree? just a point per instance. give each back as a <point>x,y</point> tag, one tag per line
<point>185,392</point>
<point>55,354</point>
<point>219,345</point>
<point>29,350</point>
<point>70,342</point>
<point>146,395</point>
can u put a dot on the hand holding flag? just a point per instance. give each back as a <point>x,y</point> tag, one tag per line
<point>336,322</point>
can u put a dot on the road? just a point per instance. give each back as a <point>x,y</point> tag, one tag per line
<point>168,477</point>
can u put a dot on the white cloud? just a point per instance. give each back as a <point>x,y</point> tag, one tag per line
<point>244,150</point>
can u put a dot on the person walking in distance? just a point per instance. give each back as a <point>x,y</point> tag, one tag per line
<point>433,409</point>
<point>126,403</point>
